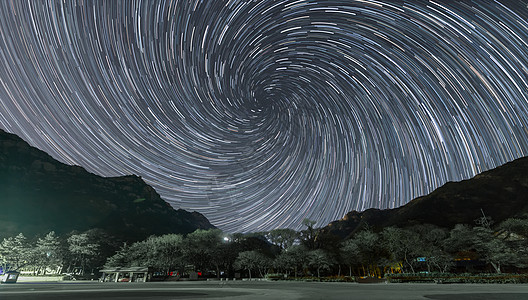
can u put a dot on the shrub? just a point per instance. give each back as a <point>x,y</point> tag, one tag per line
<point>457,278</point>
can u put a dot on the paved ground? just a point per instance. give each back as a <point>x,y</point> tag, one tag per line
<point>259,290</point>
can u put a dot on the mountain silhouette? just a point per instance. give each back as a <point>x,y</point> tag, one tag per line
<point>499,193</point>
<point>39,194</point>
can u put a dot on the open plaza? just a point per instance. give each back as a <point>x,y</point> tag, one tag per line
<point>256,290</point>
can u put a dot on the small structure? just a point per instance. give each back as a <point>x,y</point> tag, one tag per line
<point>10,277</point>
<point>127,274</point>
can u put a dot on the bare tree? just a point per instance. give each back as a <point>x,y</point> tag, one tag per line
<point>284,238</point>
<point>253,260</point>
<point>403,246</point>
<point>82,249</point>
<point>320,260</point>
<point>294,258</point>
<point>350,254</point>
<point>309,235</point>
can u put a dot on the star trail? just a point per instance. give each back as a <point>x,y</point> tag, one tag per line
<point>259,114</point>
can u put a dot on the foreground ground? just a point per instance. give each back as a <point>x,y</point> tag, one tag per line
<point>257,290</point>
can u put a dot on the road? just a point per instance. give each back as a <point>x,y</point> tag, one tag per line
<point>257,290</point>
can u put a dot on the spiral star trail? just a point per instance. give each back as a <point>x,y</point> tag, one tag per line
<point>259,114</point>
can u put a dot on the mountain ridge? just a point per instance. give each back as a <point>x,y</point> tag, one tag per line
<point>40,194</point>
<point>499,193</point>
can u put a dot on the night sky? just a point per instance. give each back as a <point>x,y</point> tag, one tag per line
<point>259,114</point>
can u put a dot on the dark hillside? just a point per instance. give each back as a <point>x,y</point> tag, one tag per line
<point>39,194</point>
<point>501,193</point>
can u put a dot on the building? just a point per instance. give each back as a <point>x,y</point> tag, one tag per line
<point>127,274</point>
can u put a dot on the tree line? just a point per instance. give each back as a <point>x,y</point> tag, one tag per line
<point>290,253</point>
<point>53,254</point>
<point>310,252</point>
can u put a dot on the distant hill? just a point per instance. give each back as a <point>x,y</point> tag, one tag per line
<point>39,194</point>
<point>501,193</point>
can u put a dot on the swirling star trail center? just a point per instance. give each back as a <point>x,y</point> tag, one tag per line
<point>262,113</point>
